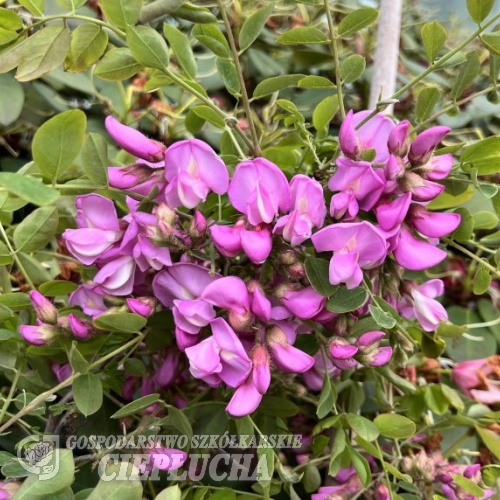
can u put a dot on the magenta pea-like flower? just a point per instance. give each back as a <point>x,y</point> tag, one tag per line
<point>193,170</point>
<point>307,210</point>
<point>259,190</point>
<point>38,334</point>
<point>355,246</point>
<point>219,358</point>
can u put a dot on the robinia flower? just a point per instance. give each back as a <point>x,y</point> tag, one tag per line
<point>193,169</point>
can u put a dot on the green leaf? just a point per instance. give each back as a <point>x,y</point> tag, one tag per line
<point>195,14</point>
<point>210,115</point>
<point>36,7</point>
<point>361,466</point>
<point>43,52</point>
<point>492,42</point>
<point>15,301</point>
<point>48,488</point>
<point>383,319</point>
<point>11,99</point>
<point>88,43</point>
<point>327,398</point>
<point>434,37</point>
<point>278,407</point>
<point>468,485</point>
<point>483,155</point>
<point>397,473</point>
<point>362,426</point>
<point>148,47</point>
<point>53,153</point>
<point>317,271</point>
<point>212,37</point>
<point>116,65</point>
<point>178,419</point>
<point>352,68</point>
<point>95,159</point>
<point>72,5</point>
<point>479,9</point>
<point>57,288</point>
<point>121,13</point>
<point>36,230</point>
<point>9,20</point>
<point>28,188</point>
<point>344,300</point>
<point>324,112</point>
<point>463,233</point>
<point>115,489</point>
<point>137,405</point>
<point>432,346</point>
<point>302,36</point>
<point>254,25</point>
<point>339,445</point>
<point>181,47</point>
<point>491,440</point>
<point>315,82</point>
<point>275,84</point>
<point>395,426</point>
<point>10,57</point>
<point>88,394</point>
<point>7,36</point>
<point>120,322</point>
<point>170,493</point>
<point>427,99</point>
<point>435,399</point>
<point>356,21</point>
<point>76,360</point>
<point>467,73</point>
<point>482,281</point>
<point>227,72</point>
<point>453,397</point>
<point>490,474</point>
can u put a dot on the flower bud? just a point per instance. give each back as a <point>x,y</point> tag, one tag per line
<point>38,334</point>
<point>240,322</point>
<point>198,226</point>
<point>144,306</point>
<point>44,309</point>
<point>80,328</point>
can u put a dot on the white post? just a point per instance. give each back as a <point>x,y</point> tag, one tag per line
<point>385,65</point>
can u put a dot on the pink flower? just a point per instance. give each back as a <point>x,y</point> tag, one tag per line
<point>133,141</point>
<point>44,309</point>
<point>248,395</point>
<point>181,281</point>
<point>98,229</point>
<point>256,242</point>
<point>420,303</point>
<point>344,203</point>
<point>308,210</point>
<point>355,246</point>
<point>314,376</point>
<point>144,306</point>
<point>139,178</point>
<point>88,299</point>
<point>373,134</point>
<point>259,190</point>
<point>193,169</point>
<point>398,142</point>
<point>433,224</point>
<point>414,253</point>
<point>305,303</point>
<point>81,329</point>
<point>38,334</point>
<point>117,277</point>
<point>164,458</point>
<point>286,357</point>
<point>167,372</point>
<point>425,143</point>
<point>359,178</point>
<point>220,358</point>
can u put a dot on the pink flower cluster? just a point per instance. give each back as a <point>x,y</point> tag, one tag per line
<point>236,320</point>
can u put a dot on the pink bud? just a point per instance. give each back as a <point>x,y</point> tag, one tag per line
<point>38,334</point>
<point>80,328</point>
<point>144,306</point>
<point>44,309</point>
<point>133,141</point>
<point>340,348</point>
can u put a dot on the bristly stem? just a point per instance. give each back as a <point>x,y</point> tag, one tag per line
<point>244,95</point>
<point>334,40</point>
